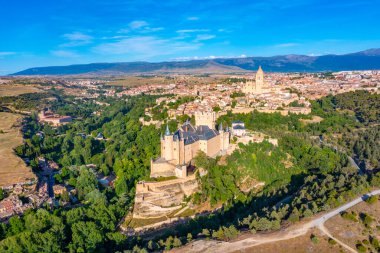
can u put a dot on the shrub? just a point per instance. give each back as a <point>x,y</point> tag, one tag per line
<point>375,243</point>
<point>314,238</point>
<point>332,241</point>
<point>372,200</point>
<point>349,216</point>
<point>360,247</point>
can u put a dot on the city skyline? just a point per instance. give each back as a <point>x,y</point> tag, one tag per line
<point>43,33</point>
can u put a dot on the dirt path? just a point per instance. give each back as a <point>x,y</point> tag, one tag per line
<point>325,231</point>
<point>290,233</point>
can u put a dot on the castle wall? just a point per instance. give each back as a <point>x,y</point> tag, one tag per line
<point>203,146</point>
<point>213,146</point>
<point>191,151</point>
<point>161,169</point>
<point>181,171</point>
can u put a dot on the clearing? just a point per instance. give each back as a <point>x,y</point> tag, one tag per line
<point>16,89</point>
<point>353,232</point>
<point>12,168</point>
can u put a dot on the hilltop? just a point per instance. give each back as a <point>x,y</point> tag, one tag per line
<point>364,60</point>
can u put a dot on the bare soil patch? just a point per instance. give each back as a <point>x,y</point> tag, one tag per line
<point>349,231</point>
<point>300,244</point>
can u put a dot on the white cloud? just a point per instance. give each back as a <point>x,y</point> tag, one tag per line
<point>3,54</point>
<point>76,39</point>
<point>287,45</point>
<point>192,30</point>
<point>201,37</point>
<point>140,26</point>
<point>145,47</point>
<point>137,24</point>
<point>152,29</point>
<point>64,53</point>
<point>210,57</point>
<point>193,18</point>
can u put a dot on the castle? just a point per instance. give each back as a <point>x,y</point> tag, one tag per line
<point>180,147</point>
<point>255,87</point>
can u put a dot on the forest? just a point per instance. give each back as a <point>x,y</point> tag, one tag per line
<point>301,175</point>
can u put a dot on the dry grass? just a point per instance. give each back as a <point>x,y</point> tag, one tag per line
<point>297,245</point>
<point>136,223</point>
<point>134,81</point>
<point>16,89</point>
<point>314,119</point>
<point>12,168</point>
<point>349,231</point>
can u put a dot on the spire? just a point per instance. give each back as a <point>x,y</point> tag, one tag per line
<point>220,127</point>
<point>167,132</point>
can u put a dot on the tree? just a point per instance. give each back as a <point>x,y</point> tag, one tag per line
<point>86,236</point>
<point>121,186</point>
<point>169,243</point>
<point>189,237</point>
<point>16,225</point>
<point>177,242</point>
<point>86,182</point>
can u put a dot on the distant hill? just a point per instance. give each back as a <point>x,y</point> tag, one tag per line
<point>364,60</point>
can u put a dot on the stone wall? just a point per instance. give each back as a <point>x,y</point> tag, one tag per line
<point>159,199</point>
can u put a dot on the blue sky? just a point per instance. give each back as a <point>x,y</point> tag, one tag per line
<point>60,32</point>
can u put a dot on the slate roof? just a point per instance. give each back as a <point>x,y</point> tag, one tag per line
<point>190,134</point>
<point>238,127</point>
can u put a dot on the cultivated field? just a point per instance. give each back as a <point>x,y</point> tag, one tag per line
<point>16,89</point>
<point>12,168</point>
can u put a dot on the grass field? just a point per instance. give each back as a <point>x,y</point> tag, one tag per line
<point>15,89</point>
<point>12,168</point>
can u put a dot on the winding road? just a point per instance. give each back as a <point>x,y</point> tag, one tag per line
<point>291,232</point>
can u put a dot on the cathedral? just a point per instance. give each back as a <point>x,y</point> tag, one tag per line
<point>180,147</point>
<point>257,86</point>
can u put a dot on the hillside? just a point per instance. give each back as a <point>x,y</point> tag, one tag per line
<point>364,60</point>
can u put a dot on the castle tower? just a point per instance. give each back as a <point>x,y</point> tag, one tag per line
<point>259,79</point>
<point>205,119</point>
<point>167,145</point>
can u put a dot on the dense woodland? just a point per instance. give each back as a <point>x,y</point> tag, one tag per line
<point>302,175</point>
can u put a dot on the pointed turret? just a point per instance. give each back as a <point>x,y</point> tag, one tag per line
<point>167,132</point>
<point>220,127</point>
<point>161,137</point>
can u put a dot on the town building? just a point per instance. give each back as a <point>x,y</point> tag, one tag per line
<point>180,147</point>
<point>9,206</point>
<point>238,128</point>
<point>47,116</point>
<point>59,189</point>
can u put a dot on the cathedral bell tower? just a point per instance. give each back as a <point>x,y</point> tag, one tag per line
<point>259,79</point>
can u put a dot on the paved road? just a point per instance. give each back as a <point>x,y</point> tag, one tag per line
<point>292,232</point>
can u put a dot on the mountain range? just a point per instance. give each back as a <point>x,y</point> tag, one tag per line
<point>363,60</point>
